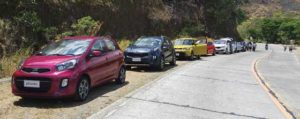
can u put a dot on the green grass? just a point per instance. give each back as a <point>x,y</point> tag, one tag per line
<point>9,64</point>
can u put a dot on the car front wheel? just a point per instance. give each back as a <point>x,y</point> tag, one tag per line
<point>122,76</point>
<point>83,89</point>
<point>161,64</point>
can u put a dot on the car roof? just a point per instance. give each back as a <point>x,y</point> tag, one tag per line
<point>158,37</point>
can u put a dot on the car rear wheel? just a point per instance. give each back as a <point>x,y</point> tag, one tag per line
<point>192,56</point>
<point>122,76</point>
<point>173,62</point>
<point>214,53</point>
<point>83,89</point>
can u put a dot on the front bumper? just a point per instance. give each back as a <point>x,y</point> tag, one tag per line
<point>146,61</point>
<point>182,53</point>
<point>50,84</point>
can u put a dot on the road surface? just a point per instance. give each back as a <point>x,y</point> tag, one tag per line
<point>218,87</point>
<point>281,71</point>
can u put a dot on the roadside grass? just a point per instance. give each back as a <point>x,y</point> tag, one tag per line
<point>9,64</point>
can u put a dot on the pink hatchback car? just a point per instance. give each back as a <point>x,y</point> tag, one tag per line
<point>69,68</point>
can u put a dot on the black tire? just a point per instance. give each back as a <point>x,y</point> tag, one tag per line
<point>161,64</point>
<point>192,56</point>
<point>214,53</point>
<point>198,57</point>
<point>83,89</point>
<point>173,62</point>
<point>121,76</point>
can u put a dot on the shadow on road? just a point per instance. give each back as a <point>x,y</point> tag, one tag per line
<point>69,102</point>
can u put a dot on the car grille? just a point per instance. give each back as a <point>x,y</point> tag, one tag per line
<point>35,70</point>
<point>138,54</point>
<point>45,84</point>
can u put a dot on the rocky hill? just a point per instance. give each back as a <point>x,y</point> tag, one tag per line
<point>260,8</point>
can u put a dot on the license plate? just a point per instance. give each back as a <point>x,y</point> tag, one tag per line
<point>136,59</point>
<point>177,54</point>
<point>31,84</point>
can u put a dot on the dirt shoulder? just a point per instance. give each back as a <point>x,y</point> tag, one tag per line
<point>17,108</point>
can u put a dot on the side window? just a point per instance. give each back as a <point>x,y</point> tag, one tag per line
<point>99,45</point>
<point>110,45</point>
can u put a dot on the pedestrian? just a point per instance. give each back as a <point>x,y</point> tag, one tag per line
<point>284,47</point>
<point>254,47</point>
<point>249,46</point>
<point>291,48</point>
<point>267,46</point>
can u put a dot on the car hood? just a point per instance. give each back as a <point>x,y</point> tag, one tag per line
<point>46,60</point>
<point>139,49</point>
<point>182,46</point>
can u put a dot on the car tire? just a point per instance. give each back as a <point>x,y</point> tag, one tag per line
<point>161,64</point>
<point>192,56</point>
<point>82,89</point>
<point>121,76</point>
<point>214,53</point>
<point>173,62</point>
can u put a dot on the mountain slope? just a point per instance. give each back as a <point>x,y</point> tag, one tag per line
<point>261,8</point>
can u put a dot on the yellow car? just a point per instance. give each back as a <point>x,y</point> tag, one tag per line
<point>189,48</point>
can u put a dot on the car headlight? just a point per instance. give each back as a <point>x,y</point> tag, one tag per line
<point>21,63</point>
<point>67,65</point>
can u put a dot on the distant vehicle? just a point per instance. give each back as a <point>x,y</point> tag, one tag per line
<point>211,49</point>
<point>188,48</point>
<point>69,68</point>
<point>150,52</point>
<point>239,47</point>
<point>244,46</point>
<point>234,46</point>
<point>224,46</point>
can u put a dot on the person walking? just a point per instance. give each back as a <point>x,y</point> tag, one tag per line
<point>254,47</point>
<point>291,48</point>
<point>267,46</point>
<point>284,47</point>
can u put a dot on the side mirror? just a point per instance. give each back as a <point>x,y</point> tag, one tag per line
<point>95,53</point>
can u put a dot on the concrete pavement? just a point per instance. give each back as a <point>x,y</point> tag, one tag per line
<point>212,88</point>
<point>281,71</point>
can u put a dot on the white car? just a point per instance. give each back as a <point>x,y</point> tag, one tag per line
<point>223,46</point>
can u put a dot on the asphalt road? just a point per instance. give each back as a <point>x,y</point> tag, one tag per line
<point>281,71</point>
<point>216,87</point>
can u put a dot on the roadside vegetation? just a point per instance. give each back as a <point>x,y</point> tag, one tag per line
<point>279,28</point>
<point>30,24</point>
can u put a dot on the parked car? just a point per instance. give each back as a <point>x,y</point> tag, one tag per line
<point>239,46</point>
<point>188,48</point>
<point>224,46</point>
<point>150,52</point>
<point>69,68</point>
<point>211,48</point>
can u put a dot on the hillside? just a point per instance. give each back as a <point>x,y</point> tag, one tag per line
<point>260,8</point>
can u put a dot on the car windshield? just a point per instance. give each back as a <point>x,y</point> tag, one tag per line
<point>66,47</point>
<point>184,42</point>
<point>220,42</point>
<point>147,42</point>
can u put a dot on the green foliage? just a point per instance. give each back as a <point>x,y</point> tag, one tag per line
<point>84,26</point>
<point>29,19</point>
<point>192,30</point>
<point>279,28</point>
